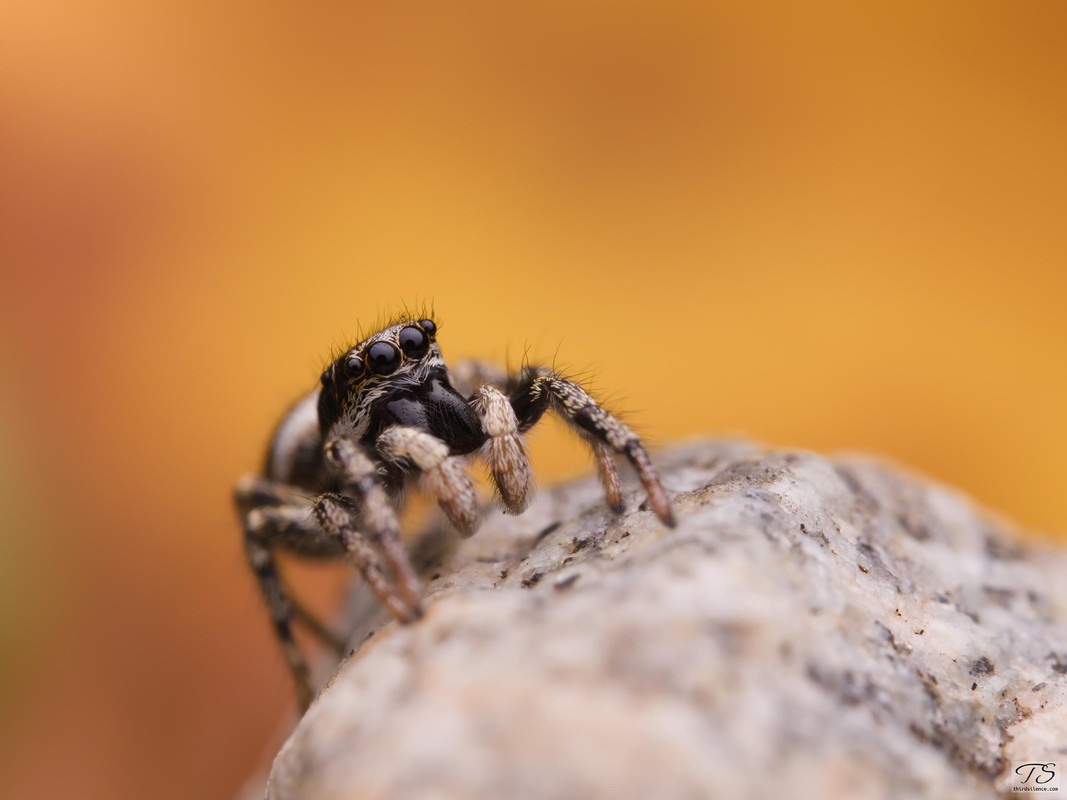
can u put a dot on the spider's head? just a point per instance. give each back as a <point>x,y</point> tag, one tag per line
<point>397,359</point>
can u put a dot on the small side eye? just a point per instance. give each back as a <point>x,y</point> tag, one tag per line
<point>383,358</point>
<point>429,326</point>
<point>327,376</point>
<point>413,342</point>
<point>353,366</point>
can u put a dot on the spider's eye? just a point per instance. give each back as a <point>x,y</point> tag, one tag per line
<point>353,366</point>
<point>413,342</point>
<point>429,326</point>
<point>383,358</point>
<point>327,376</point>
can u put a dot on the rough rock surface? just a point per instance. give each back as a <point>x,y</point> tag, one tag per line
<point>813,628</point>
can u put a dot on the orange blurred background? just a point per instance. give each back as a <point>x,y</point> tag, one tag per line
<point>830,227</point>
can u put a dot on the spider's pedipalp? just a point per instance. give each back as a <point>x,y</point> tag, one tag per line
<point>504,451</point>
<point>443,475</point>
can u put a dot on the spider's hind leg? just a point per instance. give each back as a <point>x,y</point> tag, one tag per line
<point>472,373</point>
<point>281,517</point>
<point>536,389</point>
<point>267,527</point>
<point>318,628</point>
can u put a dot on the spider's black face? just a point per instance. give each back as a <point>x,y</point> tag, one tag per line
<point>396,376</point>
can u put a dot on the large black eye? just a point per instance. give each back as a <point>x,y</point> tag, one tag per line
<point>383,358</point>
<point>353,366</point>
<point>429,326</point>
<point>413,342</point>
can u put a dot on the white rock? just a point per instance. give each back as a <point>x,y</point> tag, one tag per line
<point>813,628</point>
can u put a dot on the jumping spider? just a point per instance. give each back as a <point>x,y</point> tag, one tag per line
<point>389,409</point>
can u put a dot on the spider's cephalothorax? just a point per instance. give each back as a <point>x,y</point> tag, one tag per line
<point>387,409</point>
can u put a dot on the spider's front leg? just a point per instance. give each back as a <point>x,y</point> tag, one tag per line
<point>537,388</point>
<point>376,515</point>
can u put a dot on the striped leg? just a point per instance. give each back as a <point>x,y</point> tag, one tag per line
<point>285,525</point>
<point>334,514</point>
<point>263,527</point>
<point>377,518</point>
<point>281,517</point>
<point>537,388</point>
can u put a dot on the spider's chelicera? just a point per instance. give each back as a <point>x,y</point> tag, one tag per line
<point>388,409</point>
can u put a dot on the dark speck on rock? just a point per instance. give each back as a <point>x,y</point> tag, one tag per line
<point>567,582</point>
<point>915,528</point>
<point>998,547</point>
<point>580,544</point>
<point>999,595</point>
<point>531,579</point>
<point>982,666</point>
<point>546,531</point>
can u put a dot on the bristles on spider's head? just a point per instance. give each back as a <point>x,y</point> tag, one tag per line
<point>409,314</point>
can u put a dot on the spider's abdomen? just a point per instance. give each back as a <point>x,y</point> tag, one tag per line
<point>434,407</point>
<point>295,453</point>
